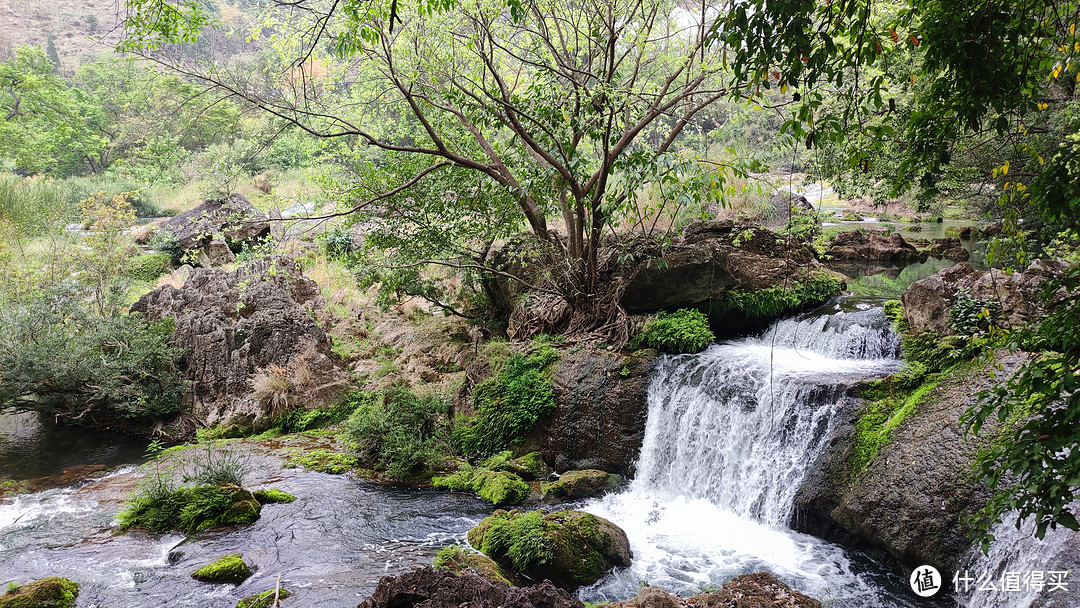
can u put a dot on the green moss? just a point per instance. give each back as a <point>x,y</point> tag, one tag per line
<point>894,310</point>
<point>581,484</point>
<point>272,496</point>
<point>228,569</point>
<point>520,538</point>
<point>776,300</point>
<point>458,481</point>
<point>507,404</point>
<point>322,460</point>
<point>529,467</point>
<point>500,488</point>
<point>191,509</point>
<point>889,407</point>
<point>454,559</point>
<point>262,600</point>
<point>51,592</point>
<point>683,331</point>
<point>11,487</point>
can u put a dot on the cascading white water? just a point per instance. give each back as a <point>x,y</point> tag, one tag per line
<point>730,436</point>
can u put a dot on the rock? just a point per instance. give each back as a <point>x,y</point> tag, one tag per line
<point>601,410</point>
<point>454,559</point>
<point>786,204</point>
<point>235,326</point>
<point>575,485</point>
<point>263,600</point>
<point>51,592</point>
<point>272,496</point>
<point>530,467</point>
<point>949,248</point>
<point>430,588</point>
<point>927,302</point>
<point>711,258</point>
<point>228,569</point>
<point>213,224</point>
<point>853,245</point>
<point>500,488</point>
<point>758,590</point>
<point>912,501</point>
<point>570,548</point>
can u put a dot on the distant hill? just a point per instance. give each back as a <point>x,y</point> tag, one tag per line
<point>78,28</point>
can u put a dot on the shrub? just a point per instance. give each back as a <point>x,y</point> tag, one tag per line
<point>507,404</point>
<point>969,315</point>
<point>149,267</point>
<point>399,432</point>
<point>521,539</point>
<point>165,241</point>
<point>221,467</point>
<point>190,509</point>
<point>683,331</point>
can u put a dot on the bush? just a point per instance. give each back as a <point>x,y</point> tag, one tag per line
<point>507,405</point>
<point>63,359</point>
<point>147,268</point>
<point>399,432</point>
<point>683,331</point>
<point>969,315</point>
<point>190,509</point>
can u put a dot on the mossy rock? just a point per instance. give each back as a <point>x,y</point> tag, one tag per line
<point>530,467</point>
<point>272,496</point>
<point>322,460</point>
<point>575,485</point>
<point>570,548</point>
<point>51,592</point>
<point>851,216</point>
<point>262,600</point>
<point>192,509</point>
<point>456,560</point>
<point>228,569</point>
<point>500,488</point>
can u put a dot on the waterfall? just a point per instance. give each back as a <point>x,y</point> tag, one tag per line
<point>731,433</point>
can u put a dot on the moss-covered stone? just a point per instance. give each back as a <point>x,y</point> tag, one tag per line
<point>192,509</point>
<point>322,460</point>
<point>575,485</point>
<point>529,467</point>
<point>456,560</point>
<point>500,488</point>
<point>272,496</point>
<point>262,600</point>
<point>570,548</point>
<point>228,569</point>
<point>51,592</point>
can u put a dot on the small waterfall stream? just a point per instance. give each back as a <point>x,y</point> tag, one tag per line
<point>731,434</point>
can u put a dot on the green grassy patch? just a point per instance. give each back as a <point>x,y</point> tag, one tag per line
<point>682,331</point>
<point>777,300</point>
<point>191,509</point>
<point>322,460</point>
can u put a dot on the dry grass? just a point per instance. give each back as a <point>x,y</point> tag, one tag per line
<point>280,389</point>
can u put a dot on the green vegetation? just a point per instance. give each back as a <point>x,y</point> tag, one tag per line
<point>683,331</point>
<point>149,267</point>
<point>507,404</point>
<point>263,600</point>
<point>190,509</point>
<point>776,300</point>
<point>456,560</point>
<point>230,569</point>
<point>889,403</point>
<point>322,460</point>
<point>272,496</point>
<point>495,486</point>
<point>400,433</point>
<point>521,538</point>
<point>51,592</point>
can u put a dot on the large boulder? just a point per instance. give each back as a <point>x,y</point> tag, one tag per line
<point>927,302</point>
<point>711,258</point>
<point>210,227</point>
<point>569,548</point>
<point>602,406</point>
<point>431,588</point>
<point>252,348</point>
<point>51,592</point>
<point>855,246</point>
<point>949,248</point>
<point>576,485</point>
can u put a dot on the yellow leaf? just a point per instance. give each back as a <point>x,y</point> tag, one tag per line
<point>1072,29</point>
<point>1042,106</point>
<point>1005,168</point>
<point>911,77</point>
<point>1040,159</point>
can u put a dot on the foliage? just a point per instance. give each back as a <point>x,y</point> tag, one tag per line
<point>229,569</point>
<point>500,488</point>
<point>1035,470</point>
<point>189,509</point>
<point>264,599</point>
<point>149,267</point>
<point>213,466</point>
<point>49,592</point>
<point>322,460</point>
<point>507,404</point>
<point>523,539</point>
<point>683,331</point>
<point>456,560</point>
<point>271,496</point>
<point>399,432</point>
<point>969,315</point>
<point>302,419</point>
<point>776,300</point>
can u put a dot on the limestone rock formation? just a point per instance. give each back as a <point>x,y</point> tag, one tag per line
<point>234,326</point>
<point>211,226</point>
<point>853,246</point>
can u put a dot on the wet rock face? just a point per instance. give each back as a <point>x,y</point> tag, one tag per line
<point>855,246</point>
<point>601,414</point>
<point>429,588</point>
<point>233,325</point>
<point>927,302</point>
<point>711,258</point>
<point>758,590</point>
<point>209,226</point>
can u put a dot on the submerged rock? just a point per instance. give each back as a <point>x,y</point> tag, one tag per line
<point>243,334</point>
<point>263,600</point>
<point>569,548</point>
<point>229,569</point>
<point>51,592</point>
<point>430,588</point>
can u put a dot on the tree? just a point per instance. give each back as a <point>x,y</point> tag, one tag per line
<point>568,108</point>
